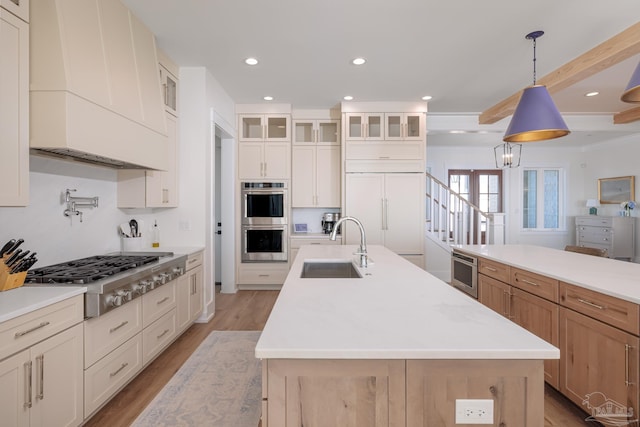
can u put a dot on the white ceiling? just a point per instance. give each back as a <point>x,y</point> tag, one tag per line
<point>467,54</point>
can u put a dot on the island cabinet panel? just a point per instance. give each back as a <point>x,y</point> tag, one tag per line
<point>542,286</point>
<point>614,311</point>
<point>346,393</point>
<point>515,386</point>
<point>494,269</point>
<point>599,363</point>
<point>494,294</point>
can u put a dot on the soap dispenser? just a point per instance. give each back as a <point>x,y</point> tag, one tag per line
<point>156,235</point>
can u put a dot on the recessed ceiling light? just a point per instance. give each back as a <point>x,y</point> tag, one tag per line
<point>592,93</point>
<point>268,98</point>
<point>358,61</point>
<point>427,97</point>
<point>457,131</point>
<point>348,98</point>
<point>251,61</point>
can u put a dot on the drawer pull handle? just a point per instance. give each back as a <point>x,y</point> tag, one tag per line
<point>162,300</point>
<point>117,371</point>
<point>191,261</point>
<point>35,328</point>
<point>590,304</point>
<point>491,268</point>
<point>166,331</point>
<point>528,282</point>
<point>627,348</point>
<point>40,367</point>
<point>28,403</point>
<point>263,275</point>
<point>112,330</point>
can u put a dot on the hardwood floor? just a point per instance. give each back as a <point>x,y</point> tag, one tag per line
<point>249,310</point>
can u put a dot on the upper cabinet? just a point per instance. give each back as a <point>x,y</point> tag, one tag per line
<point>169,72</point>
<point>264,127</point>
<point>322,132</point>
<point>364,126</point>
<point>14,105</point>
<point>404,126</point>
<point>95,65</point>
<point>19,8</point>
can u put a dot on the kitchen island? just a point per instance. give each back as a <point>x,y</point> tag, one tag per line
<point>395,347</point>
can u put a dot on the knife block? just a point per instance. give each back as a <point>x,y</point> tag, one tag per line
<point>8,280</point>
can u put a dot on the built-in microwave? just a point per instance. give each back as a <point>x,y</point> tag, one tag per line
<point>265,243</point>
<point>264,203</point>
<point>464,273</point>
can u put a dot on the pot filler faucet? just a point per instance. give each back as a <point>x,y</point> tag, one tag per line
<point>363,239</point>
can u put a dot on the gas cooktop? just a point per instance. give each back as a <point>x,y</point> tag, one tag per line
<point>88,270</point>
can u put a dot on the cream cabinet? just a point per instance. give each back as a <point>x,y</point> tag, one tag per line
<point>151,188</point>
<point>169,83</point>
<point>43,385</point>
<point>190,289</point>
<point>391,208</point>
<point>295,243</point>
<point>14,104</point>
<point>364,126</point>
<point>19,8</point>
<point>264,160</point>
<point>264,127</point>
<point>325,132</point>
<point>315,176</point>
<point>41,366</point>
<point>616,234</point>
<point>404,126</point>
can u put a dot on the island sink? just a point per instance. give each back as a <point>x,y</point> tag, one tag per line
<point>329,270</point>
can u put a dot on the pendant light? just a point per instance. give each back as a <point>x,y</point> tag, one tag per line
<point>632,92</point>
<point>507,155</point>
<point>536,117</point>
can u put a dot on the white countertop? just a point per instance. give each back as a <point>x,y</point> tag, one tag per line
<point>396,311</point>
<point>25,299</point>
<point>608,276</point>
<point>178,250</point>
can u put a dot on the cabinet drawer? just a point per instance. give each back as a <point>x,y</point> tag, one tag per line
<point>105,333</point>
<point>542,286</point>
<point>158,302</point>
<point>106,377</point>
<point>594,221</point>
<point>158,336</point>
<point>26,330</point>
<point>596,235</point>
<point>614,311</point>
<point>252,276</point>
<point>378,150</point>
<point>194,260</point>
<point>494,269</point>
<point>298,243</point>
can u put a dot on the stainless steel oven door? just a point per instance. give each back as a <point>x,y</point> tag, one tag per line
<point>264,203</point>
<point>265,243</point>
<point>464,273</point>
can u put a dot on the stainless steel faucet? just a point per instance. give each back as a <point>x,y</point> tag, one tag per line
<point>363,239</point>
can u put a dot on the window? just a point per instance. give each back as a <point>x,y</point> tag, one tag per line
<point>542,198</point>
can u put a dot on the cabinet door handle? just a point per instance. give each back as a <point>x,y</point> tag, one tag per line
<point>265,169</point>
<point>505,304</point>
<point>112,330</point>
<point>117,371</point>
<point>528,282</point>
<point>27,379</point>
<point>165,195</point>
<point>382,209</point>
<point>386,214</point>
<point>162,300</point>
<point>627,349</point>
<point>510,315</point>
<point>35,328</point>
<point>40,369</point>
<point>490,268</point>
<point>591,304</point>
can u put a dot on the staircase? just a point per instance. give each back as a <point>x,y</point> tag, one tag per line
<point>452,220</point>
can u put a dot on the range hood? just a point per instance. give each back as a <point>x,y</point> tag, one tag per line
<point>95,93</point>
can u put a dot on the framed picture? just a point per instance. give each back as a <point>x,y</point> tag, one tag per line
<point>616,190</point>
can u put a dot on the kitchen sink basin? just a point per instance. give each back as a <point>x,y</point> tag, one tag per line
<point>329,270</point>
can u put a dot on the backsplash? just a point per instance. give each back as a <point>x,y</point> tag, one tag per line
<point>44,227</point>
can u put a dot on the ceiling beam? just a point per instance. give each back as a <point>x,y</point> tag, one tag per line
<point>627,116</point>
<point>618,48</point>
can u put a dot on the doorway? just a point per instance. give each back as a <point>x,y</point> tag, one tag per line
<point>480,187</point>
<point>224,213</point>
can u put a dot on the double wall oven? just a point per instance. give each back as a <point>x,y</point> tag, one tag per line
<point>265,222</point>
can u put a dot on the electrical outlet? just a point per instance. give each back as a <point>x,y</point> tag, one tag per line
<point>474,411</point>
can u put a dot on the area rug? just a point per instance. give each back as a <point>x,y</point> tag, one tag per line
<point>220,385</point>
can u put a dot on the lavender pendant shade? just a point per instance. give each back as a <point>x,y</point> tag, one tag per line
<point>536,118</point>
<point>632,92</point>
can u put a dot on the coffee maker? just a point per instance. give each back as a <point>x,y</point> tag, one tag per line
<point>329,220</point>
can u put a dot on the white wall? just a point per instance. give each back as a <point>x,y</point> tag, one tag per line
<point>583,167</point>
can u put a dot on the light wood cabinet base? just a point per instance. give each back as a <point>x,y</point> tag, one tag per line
<point>354,393</point>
